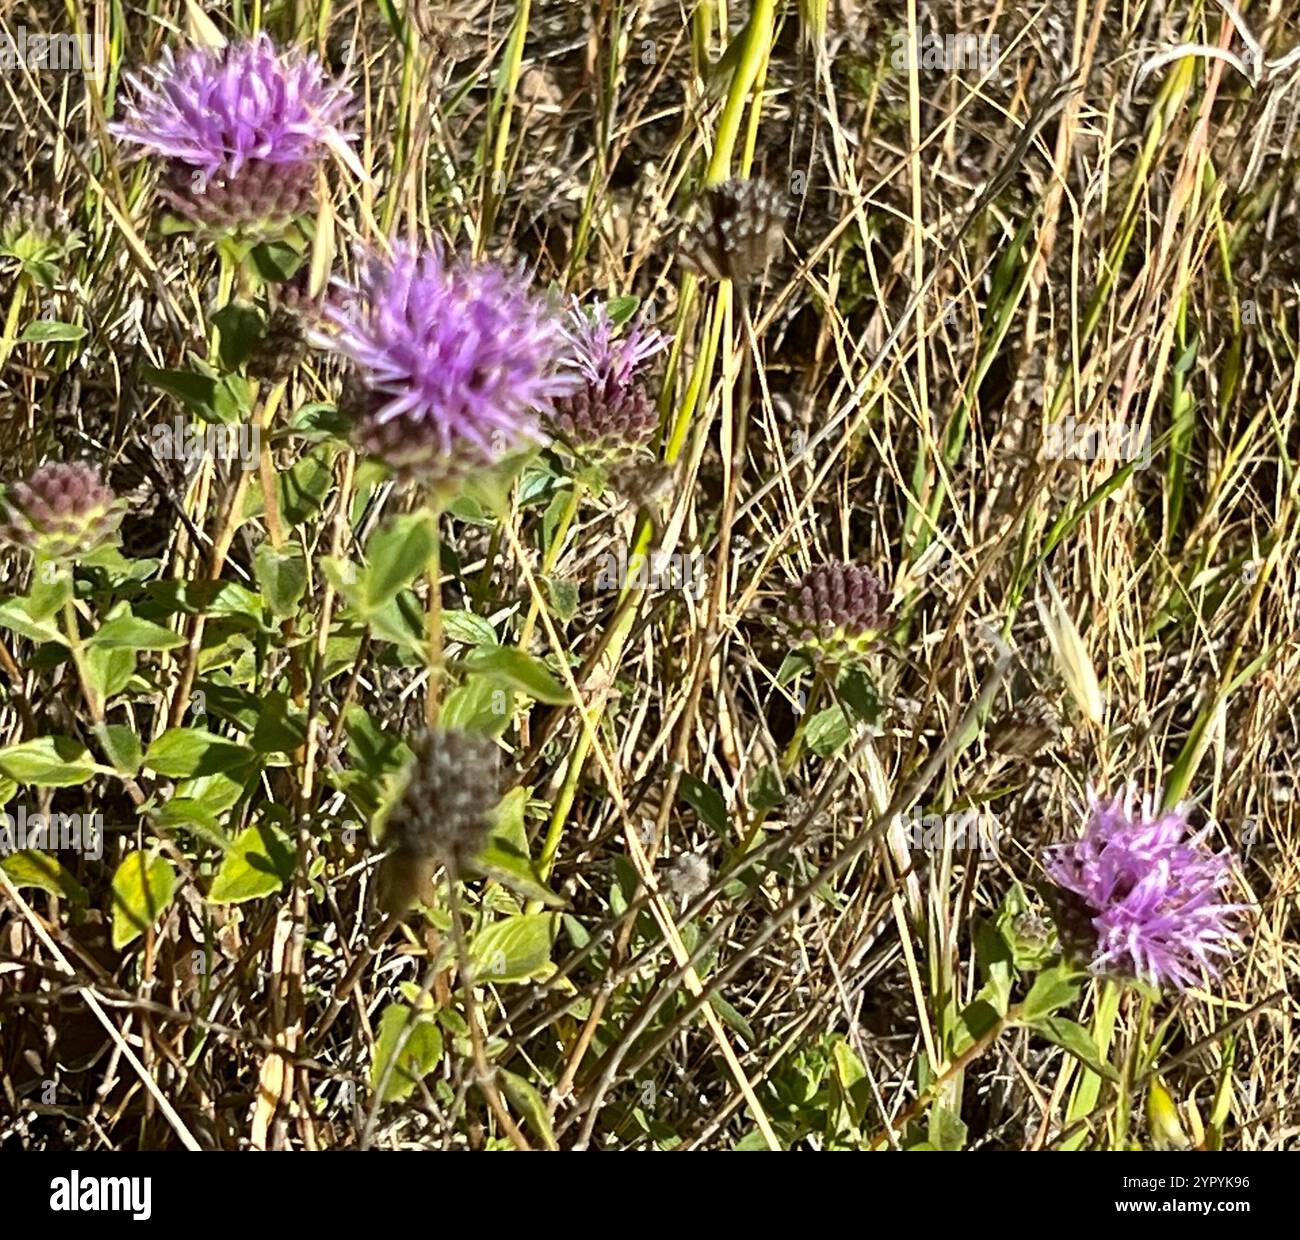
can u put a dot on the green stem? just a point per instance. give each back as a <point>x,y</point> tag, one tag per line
<point>503,106</point>
<point>11,319</point>
<point>437,667</point>
<point>548,560</point>
<point>77,647</point>
<point>1087,1089</point>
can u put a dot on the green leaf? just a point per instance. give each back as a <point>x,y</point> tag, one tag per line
<point>16,616</point>
<point>396,554</point>
<point>142,891</point>
<point>49,762</point>
<point>194,815</point>
<point>213,598</point>
<point>563,596</point>
<point>282,576</point>
<point>400,620</point>
<point>260,861</point>
<point>281,728</point>
<point>974,1021</point>
<point>51,590</point>
<point>48,331</point>
<point>122,746</point>
<point>1053,988</point>
<point>214,398</point>
<point>766,792</point>
<point>481,704</point>
<point>947,1130</point>
<point>132,633</point>
<point>467,628</point>
<point>109,669</point>
<point>275,261</point>
<point>523,672</point>
<point>303,488</point>
<point>732,1018</point>
<point>859,694</point>
<point>993,954</point>
<point>828,731</point>
<point>417,1059</point>
<point>183,752</point>
<point>620,309</point>
<point>513,949</point>
<point>506,859</point>
<point>33,868</point>
<point>705,801</point>
<point>487,491</point>
<point>1074,1038</point>
<point>240,326</point>
<point>530,1104</point>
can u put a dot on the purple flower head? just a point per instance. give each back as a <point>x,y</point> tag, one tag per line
<point>243,129</point>
<point>1153,895</point>
<point>608,361</point>
<point>62,512</point>
<point>611,411</point>
<point>837,611</point>
<point>453,360</point>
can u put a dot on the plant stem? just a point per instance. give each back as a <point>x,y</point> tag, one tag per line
<point>437,666</point>
<point>77,646</point>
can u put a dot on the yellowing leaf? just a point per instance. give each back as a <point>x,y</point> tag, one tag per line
<point>1071,654</point>
<point>142,891</point>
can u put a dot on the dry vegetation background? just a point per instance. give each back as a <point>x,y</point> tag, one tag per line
<point>1083,243</point>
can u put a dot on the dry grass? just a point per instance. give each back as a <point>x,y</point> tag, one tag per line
<point>969,256</point>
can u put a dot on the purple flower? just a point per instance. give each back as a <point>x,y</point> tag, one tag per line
<point>243,129</point>
<point>838,610</point>
<point>607,360</point>
<point>1152,894</point>
<point>611,411</point>
<point>62,512</point>
<point>453,361</point>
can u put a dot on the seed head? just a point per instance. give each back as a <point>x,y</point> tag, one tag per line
<point>452,787</point>
<point>736,232</point>
<point>35,237</point>
<point>611,413</point>
<point>283,345</point>
<point>687,876</point>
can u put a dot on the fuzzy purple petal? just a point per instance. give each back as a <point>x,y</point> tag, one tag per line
<point>1155,894</point>
<point>217,110</point>
<point>455,356</point>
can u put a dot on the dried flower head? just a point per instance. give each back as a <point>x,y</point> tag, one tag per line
<point>243,130</point>
<point>451,789</point>
<point>1151,897</point>
<point>839,610</point>
<point>283,345</point>
<point>62,512</point>
<point>611,413</point>
<point>453,361</point>
<point>687,876</point>
<point>35,237</point>
<point>736,231</point>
